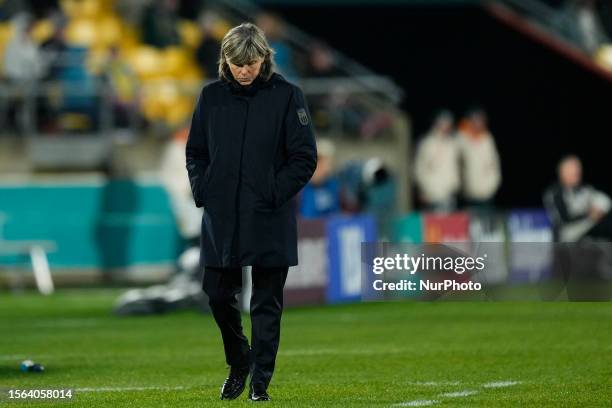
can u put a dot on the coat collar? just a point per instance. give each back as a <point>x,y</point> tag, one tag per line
<point>249,90</point>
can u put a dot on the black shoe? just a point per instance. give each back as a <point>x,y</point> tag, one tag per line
<point>257,394</point>
<point>234,384</point>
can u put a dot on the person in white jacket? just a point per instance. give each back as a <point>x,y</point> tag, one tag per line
<point>480,166</point>
<point>23,62</point>
<point>172,175</point>
<point>437,166</point>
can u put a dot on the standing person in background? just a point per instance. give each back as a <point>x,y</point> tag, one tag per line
<point>159,24</point>
<point>23,61</point>
<point>23,66</point>
<point>321,197</point>
<point>250,150</point>
<point>437,167</point>
<point>208,50</point>
<point>479,161</point>
<point>172,176</point>
<point>274,29</point>
<point>576,209</point>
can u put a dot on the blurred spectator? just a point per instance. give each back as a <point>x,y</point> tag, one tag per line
<point>375,123</point>
<point>479,160</point>
<point>23,66</point>
<point>321,196</point>
<point>123,84</point>
<point>159,24</point>
<point>54,54</point>
<point>437,165</point>
<point>207,53</point>
<point>350,176</point>
<point>273,27</point>
<point>321,62</point>
<point>368,186</point>
<point>79,105</point>
<point>23,61</point>
<point>54,48</point>
<point>173,175</point>
<point>379,195</point>
<point>132,11</point>
<point>589,26</point>
<point>576,209</point>
<point>9,8</point>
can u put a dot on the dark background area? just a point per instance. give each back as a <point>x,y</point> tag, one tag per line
<point>541,105</point>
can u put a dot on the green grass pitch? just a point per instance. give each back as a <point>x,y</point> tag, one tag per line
<point>441,354</point>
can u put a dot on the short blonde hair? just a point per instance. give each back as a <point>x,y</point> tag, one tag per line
<point>242,45</point>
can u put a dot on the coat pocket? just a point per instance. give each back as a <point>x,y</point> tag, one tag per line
<point>272,188</point>
<point>267,193</point>
<point>203,186</point>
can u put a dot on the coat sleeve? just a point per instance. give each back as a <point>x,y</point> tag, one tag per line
<point>197,153</point>
<point>301,150</point>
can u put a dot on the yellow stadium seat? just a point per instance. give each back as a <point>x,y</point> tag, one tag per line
<point>146,61</point>
<point>129,38</point>
<point>157,97</point>
<point>83,8</point>
<point>179,112</point>
<point>221,28</point>
<point>42,30</point>
<point>191,73</point>
<point>109,29</point>
<point>74,121</point>
<point>180,63</point>
<point>190,33</point>
<point>6,32</point>
<point>81,31</point>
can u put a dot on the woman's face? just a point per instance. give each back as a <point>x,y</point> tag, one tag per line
<point>245,74</point>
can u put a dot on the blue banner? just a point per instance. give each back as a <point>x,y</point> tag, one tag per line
<point>345,235</point>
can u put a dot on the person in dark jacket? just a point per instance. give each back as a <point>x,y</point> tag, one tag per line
<point>577,210</point>
<point>250,150</point>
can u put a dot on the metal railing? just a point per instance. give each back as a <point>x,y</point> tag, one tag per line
<point>26,100</point>
<point>557,21</point>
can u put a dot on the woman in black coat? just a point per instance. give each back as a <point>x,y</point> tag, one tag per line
<point>250,150</point>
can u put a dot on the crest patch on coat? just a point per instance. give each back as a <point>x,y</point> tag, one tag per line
<point>302,116</point>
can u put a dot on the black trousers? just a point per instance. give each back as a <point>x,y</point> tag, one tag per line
<point>222,285</point>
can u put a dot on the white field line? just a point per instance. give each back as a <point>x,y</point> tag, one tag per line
<point>463,393</point>
<point>500,384</point>
<point>331,351</point>
<point>434,383</point>
<point>416,403</point>
<point>63,323</point>
<point>11,357</point>
<point>119,389</point>
<point>457,394</point>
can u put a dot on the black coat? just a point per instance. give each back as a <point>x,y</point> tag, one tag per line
<point>250,151</point>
